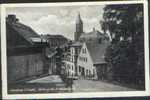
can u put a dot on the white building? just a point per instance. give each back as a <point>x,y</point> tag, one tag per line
<point>91,62</point>
<point>70,59</point>
<point>85,63</point>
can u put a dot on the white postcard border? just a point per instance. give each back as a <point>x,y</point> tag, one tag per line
<point>79,94</point>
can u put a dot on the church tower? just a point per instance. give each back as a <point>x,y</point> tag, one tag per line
<point>79,28</point>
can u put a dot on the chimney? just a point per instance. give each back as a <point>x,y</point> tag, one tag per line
<point>12,18</point>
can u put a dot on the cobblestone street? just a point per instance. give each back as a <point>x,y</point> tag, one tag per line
<point>96,86</point>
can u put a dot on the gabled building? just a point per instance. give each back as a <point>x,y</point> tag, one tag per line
<point>91,60</point>
<point>25,51</point>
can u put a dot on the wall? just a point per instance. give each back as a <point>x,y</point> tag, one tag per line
<point>23,66</point>
<point>87,65</point>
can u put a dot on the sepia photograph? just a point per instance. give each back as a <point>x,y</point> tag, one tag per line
<point>75,48</point>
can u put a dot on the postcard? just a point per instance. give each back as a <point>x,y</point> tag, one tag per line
<point>75,49</point>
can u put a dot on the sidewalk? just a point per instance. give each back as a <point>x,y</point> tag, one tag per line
<point>47,79</point>
<point>45,84</point>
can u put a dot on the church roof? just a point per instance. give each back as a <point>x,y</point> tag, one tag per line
<point>97,52</point>
<point>92,34</point>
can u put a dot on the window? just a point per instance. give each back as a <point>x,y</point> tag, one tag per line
<point>72,58</point>
<point>72,67</point>
<point>87,72</point>
<point>85,59</point>
<point>79,69</point>
<point>83,50</point>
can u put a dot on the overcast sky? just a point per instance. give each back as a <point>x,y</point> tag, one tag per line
<point>58,19</point>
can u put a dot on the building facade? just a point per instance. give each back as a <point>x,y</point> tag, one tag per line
<point>25,51</point>
<point>91,60</point>
<point>54,42</point>
<point>70,59</point>
<point>85,64</point>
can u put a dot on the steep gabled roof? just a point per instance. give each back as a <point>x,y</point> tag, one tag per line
<point>97,52</point>
<point>25,31</point>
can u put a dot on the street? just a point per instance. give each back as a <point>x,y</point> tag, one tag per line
<point>83,85</point>
<point>96,86</point>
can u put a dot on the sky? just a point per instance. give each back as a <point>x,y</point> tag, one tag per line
<point>58,19</point>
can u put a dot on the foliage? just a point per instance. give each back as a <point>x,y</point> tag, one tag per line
<point>125,55</point>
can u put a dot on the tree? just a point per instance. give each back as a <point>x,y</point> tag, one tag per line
<point>125,55</point>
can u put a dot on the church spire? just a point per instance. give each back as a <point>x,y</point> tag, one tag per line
<point>78,20</point>
<point>79,27</point>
